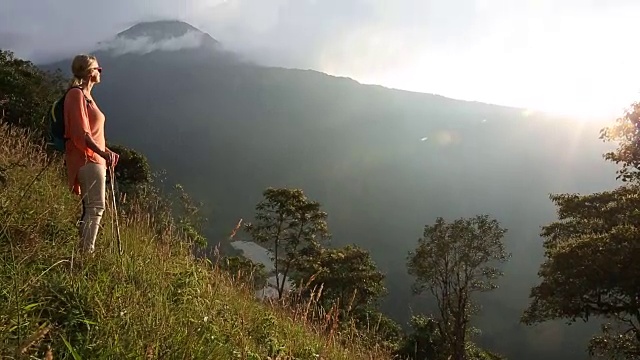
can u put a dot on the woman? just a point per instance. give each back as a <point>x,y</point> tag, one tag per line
<point>86,154</point>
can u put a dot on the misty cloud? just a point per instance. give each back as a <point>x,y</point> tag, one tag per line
<point>145,45</point>
<point>290,33</point>
<point>9,40</point>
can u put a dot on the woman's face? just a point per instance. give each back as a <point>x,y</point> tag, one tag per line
<point>94,72</point>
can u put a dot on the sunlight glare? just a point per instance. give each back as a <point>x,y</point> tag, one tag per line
<point>581,67</point>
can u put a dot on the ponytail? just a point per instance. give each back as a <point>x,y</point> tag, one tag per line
<point>74,82</point>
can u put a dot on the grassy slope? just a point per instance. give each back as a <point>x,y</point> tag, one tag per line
<point>156,301</point>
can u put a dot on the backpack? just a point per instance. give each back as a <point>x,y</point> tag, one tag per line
<point>55,123</point>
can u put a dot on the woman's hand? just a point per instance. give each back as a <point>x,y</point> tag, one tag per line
<point>114,158</point>
<point>111,158</point>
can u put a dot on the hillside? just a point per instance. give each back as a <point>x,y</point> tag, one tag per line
<point>382,162</point>
<point>155,301</point>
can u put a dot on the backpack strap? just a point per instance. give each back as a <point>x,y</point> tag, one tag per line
<point>87,101</point>
<point>83,94</point>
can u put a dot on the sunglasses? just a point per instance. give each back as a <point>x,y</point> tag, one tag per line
<point>98,68</point>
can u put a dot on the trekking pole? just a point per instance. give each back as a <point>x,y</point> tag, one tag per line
<point>115,209</point>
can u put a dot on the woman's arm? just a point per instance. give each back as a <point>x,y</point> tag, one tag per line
<point>107,154</point>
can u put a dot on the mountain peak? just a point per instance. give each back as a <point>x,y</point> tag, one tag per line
<point>167,35</point>
<point>159,30</point>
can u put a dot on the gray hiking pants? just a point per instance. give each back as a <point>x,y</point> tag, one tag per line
<point>92,178</point>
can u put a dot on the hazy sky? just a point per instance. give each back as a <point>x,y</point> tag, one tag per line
<point>570,56</point>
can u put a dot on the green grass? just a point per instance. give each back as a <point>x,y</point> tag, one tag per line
<point>156,301</point>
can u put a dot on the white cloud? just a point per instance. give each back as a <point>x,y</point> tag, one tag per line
<point>144,44</point>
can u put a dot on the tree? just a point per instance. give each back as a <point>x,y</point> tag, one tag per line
<point>26,92</point>
<point>453,261</point>
<point>243,268</point>
<point>348,281</point>
<point>591,252</point>
<point>424,340</point>
<point>132,171</point>
<point>133,180</point>
<point>288,222</point>
<point>348,276</point>
<point>378,329</point>
<point>625,131</point>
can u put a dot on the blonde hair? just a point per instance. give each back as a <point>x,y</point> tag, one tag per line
<point>80,68</point>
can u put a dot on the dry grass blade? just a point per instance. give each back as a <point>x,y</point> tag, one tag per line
<point>49,354</point>
<point>33,340</point>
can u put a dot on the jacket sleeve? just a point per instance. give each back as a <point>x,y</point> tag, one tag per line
<point>77,119</point>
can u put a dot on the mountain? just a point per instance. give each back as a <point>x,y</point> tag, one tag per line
<point>167,36</point>
<point>163,30</point>
<point>382,162</point>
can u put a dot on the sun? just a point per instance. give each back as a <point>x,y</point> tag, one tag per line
<point>596,98</point>
<point>565,98</point>
<point>580,107</point>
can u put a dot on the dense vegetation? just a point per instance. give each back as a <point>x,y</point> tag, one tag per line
<point>95,307</point>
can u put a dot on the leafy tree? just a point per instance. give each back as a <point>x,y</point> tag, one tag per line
<point>625,132</point>
<point>133,169</point>
<point>474,352</point>
<point>133,180</point>
<point>26,91</point>
<point>245,268</point>
<point>591,264</point>
<point>453,261</point>
<point>424,340</point>
<point>378,329</point>
<point>348,276</point>
<point>347,280</point>
<point>288,222</point>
